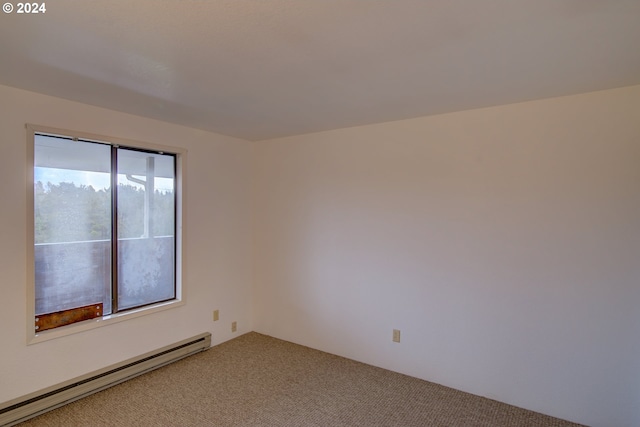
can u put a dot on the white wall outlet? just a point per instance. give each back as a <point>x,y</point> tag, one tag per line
<point>234,326</point>
<point>396,335</point>
<point>216,315</point>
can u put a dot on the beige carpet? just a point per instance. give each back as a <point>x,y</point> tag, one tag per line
<point>255,380</point>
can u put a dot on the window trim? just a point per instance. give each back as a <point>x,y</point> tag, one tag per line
<point>180,238</point>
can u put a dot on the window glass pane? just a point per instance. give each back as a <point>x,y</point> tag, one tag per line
<point>146,228</point>
<point>72,201</point>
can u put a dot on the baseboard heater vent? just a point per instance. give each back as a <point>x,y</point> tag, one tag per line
<point>29,406</point>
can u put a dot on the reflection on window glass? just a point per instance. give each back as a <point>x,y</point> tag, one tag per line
<point>72,201</point>
<point>146,221</point>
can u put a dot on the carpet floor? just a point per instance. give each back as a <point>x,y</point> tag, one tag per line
<point>256,380</point>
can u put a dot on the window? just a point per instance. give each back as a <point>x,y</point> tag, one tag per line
<point>105,229</point>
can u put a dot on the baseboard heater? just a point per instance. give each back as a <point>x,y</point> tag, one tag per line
<point>29,406</point>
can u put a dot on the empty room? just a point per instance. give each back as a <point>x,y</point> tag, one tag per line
<point>320,212</point>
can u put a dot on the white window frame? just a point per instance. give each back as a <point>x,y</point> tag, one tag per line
<point>181,166</point>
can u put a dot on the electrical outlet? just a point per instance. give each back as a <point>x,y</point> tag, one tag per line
<point>234,326</point>
<point>216,315</point>
<point>396,335</point>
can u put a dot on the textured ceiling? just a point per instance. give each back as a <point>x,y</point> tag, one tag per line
<point>259,69</point>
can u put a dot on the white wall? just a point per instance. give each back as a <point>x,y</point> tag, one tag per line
<point>218,245</point>
<point>503,242</point>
